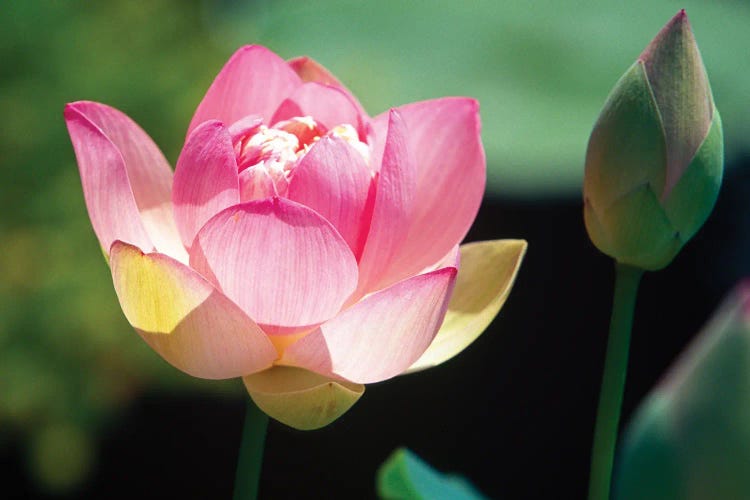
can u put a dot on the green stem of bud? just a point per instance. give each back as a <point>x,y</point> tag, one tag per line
<point>627,279</point>
<point>250,460</point>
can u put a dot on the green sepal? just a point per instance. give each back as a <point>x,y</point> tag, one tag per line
<point>638,231</point>
<point>693,197</point>
<point>627,147</point>
<point>404,476</point>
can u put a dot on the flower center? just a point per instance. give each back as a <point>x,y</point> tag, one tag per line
<point>266,156</point>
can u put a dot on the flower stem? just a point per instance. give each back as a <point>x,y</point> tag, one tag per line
<point>250,459</point>
<point>613,380</point>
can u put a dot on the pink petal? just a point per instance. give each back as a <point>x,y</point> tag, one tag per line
<point>280,261</point>
<point>310,70</point>
<point>287,109</point>
<point>126,181</point>
<point>333,179</point>
<point>205,180</point>
<point>382,335</point>
<point>185,319</point>
<point>392,212</point>
<point>244,126</point>
<point>452,258</point>
<point>444,139</point>
<point>253,82</point>
<point>329,106</point>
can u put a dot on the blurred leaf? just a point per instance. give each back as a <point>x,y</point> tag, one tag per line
<point>541,70</point>
<point>405,476</point>
<point>691,437</point>
<point>61,456</point>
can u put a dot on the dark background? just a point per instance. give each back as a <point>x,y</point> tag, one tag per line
<point>87,410</point>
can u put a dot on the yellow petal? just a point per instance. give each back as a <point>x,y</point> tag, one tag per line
<point>184,318</point>
<point>485,277</point>
<point>300,398</point>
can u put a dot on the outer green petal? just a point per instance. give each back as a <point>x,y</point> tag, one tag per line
<point>678,79</point>
<point>627,147</point>
<point>640,232</point>
<point>184,318</point>
<point>300,398</point>
<point>693,198</point>
<point>485,278</point>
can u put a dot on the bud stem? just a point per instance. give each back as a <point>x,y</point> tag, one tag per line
<point>250,458</point>
<point>627,279</point>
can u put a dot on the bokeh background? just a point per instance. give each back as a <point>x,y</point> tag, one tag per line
<point>87,410</point>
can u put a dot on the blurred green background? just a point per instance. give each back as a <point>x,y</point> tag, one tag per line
<point>69,362</point>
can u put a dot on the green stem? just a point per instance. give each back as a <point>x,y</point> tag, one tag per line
<point>613,381</point>
<point>250,459</point>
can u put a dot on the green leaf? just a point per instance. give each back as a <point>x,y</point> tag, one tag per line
<point>404,476</point>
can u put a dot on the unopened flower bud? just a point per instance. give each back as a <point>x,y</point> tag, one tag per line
<point>655,157</point>
<point>689,437</point>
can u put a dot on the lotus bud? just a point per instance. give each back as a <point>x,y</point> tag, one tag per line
<point>690,438</point>
<point>655,157</point>
<point>300,243</point>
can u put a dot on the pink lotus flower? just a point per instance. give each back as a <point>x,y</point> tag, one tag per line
<point>300,244</point>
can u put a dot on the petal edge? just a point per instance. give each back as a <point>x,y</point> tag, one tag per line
<point>494,264</point>
<point>184,318</point>
<point>270,256</point>
<point>380,336</point>
<point>253,81</point>
<point>301,399</point>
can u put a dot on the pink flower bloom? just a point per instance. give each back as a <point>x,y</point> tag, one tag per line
<point>300,244</point>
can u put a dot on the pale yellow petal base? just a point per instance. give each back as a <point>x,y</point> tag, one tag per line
<point>300,398</point>
<point>186,319</point>
<point>485,277</point>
